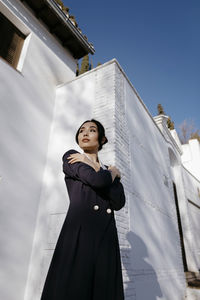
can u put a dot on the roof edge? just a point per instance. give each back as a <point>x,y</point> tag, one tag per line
<point>88,46</point>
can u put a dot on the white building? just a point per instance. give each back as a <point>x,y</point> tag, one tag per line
<point>42,105</point>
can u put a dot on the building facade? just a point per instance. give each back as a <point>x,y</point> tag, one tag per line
<point>34,59</point>
<point>42,105</point>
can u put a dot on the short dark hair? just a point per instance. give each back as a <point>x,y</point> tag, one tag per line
<point>101,132</point>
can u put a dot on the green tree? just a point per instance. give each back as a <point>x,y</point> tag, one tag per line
<point>160,109</point>
<point>170,124</point>
<point>91,64</point>
<point>84,64</point>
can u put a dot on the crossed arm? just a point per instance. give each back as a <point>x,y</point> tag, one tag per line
<point>83,170</point>
<point>78,157</point>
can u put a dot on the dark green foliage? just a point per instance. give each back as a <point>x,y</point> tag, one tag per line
<point>160,110</point>
<point>84,64</point>
<point>91,64</point>
<point>170,124</point>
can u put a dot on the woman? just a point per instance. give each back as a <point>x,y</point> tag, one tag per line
<point>86,263</point>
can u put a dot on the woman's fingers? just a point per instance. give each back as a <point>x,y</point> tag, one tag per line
<point>78,157</point>
<point>115,171</point>
<point>73,158</point>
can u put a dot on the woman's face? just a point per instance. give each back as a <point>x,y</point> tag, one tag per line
<point>88,137</point>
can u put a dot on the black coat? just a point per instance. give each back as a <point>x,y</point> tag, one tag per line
<point>86,263</point>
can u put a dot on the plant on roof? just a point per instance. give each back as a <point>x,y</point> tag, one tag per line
<point>160,110</point>
<point>61,4</point>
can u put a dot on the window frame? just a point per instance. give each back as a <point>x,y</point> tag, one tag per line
<point>16,45</point>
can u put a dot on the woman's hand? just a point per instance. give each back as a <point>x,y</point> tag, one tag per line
<point>114,172</point>
<point>79,157</point>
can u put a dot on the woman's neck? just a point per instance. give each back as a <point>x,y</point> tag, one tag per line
<point>93,156</point>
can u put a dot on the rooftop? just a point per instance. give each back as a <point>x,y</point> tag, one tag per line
<point>62,25</point>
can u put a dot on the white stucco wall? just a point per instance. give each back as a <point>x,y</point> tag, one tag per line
<point>191,157</point>
<point>149,161</point>
<point>192,188</point>
<point>38,122</point>
<point>27,99</point>
<point>155,255</point>
<point>73,106</point>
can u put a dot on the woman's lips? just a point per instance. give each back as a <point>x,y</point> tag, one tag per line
<point>85,140</point>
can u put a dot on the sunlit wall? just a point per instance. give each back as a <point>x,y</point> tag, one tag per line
<point>27,96</point>
<point>150,161</point>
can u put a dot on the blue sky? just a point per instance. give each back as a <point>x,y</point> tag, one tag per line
<point>156,42</point>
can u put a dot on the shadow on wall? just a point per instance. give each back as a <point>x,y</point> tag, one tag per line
<point>141,277</point>
<point>27,104</point>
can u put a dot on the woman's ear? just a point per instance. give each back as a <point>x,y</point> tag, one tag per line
<point>103,140</point>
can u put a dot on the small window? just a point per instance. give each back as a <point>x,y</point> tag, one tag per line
<point>11,41</point>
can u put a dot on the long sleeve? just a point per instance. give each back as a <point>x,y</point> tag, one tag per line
<point>85,173</point>
<point>115,194</point>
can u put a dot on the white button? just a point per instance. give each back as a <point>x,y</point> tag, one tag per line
<point>108,210</point>
<point>96,207</point>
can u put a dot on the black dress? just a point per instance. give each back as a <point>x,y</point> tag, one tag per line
<point>86,263</point>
